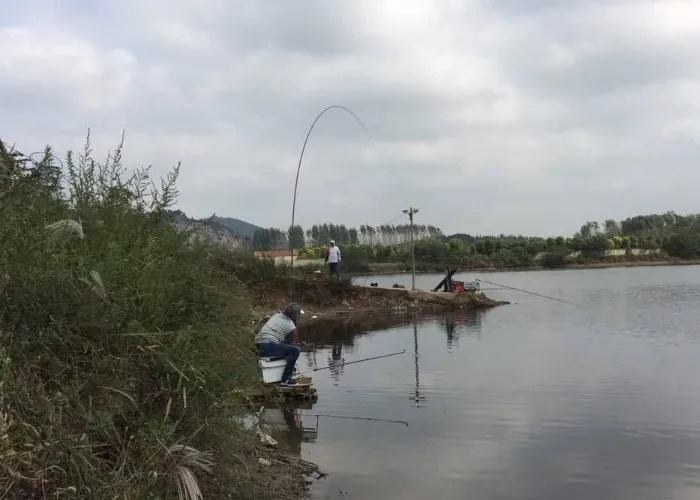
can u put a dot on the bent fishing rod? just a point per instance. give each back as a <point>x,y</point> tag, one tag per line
<point>301,157</point>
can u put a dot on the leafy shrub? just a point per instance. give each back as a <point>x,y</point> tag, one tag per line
<point>557,258</point>
<point>117,335</point>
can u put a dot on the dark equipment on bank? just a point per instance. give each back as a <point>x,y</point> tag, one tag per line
<point>449,285</point>
<point>446,282</point>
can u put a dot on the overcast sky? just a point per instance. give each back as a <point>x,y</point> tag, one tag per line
<point>490,116</point>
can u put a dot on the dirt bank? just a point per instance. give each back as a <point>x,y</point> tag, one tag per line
<point>263,471</point>
<point>329,299</point>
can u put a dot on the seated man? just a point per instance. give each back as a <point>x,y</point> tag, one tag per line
<point>276,338</point>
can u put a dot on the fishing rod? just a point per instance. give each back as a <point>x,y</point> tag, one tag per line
<point>526,291</point>
<point>370,419</point>
<point>356,361</point>
<point>301,157</point>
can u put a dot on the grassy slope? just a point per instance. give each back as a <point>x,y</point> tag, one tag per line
<point>122,346</point>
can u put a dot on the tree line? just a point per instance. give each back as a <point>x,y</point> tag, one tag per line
<point>320,234</point>
<point>642,237</point>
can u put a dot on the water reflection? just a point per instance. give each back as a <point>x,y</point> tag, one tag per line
<point>337,339</point>
<point>467,323</point>
<point>287,426</point>
<point>450,329</point>
<point>342,335</point>
<point>297,424</point>
<point>417,397</point>
<point>336,361</point>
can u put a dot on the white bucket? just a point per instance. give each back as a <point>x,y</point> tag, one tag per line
<point>272,369</point>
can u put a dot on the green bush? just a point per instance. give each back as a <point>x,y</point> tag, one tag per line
<point>248,268</point>
<point>684,245</point>
<point>117,335</point>
<point>557,258</point>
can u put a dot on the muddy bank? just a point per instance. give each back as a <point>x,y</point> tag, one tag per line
<point>326,299</point>
<point>264,466</point>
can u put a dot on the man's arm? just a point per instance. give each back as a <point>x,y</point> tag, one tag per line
<point>290,337</point>
<point>338,253</point>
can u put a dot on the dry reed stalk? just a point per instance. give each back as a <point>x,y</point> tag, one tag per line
<point>182,461</point>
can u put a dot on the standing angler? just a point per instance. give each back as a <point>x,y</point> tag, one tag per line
<point>333,259</point>
<point>276,339</point>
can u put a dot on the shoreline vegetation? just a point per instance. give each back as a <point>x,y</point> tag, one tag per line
<point>126,342</point>
<point>640,240</point>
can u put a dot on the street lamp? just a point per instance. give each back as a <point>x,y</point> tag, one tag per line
<point>410,212</point>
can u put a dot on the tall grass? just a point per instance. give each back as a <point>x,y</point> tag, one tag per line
<point>119,338</point>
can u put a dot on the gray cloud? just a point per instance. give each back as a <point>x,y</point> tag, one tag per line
<point>490,116</point>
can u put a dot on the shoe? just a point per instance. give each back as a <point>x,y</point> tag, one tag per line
<point>289,383</point>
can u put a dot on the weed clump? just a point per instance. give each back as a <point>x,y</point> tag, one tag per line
<point>120,336</point>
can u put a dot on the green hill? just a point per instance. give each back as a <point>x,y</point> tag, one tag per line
<point>237,226</point>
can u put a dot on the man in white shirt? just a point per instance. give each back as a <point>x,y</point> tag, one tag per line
<point>333,259</point>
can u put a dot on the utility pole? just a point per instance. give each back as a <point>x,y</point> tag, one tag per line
<point>410,213</point>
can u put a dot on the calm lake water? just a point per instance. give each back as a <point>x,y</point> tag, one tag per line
<point>533,400</point>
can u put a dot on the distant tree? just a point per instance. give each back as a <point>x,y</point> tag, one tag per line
<point>363,233</point>
<point>595,244</point>
<point>262,239</point>
<point>612,227</point>
<point>683,246</point>
<point>295,237</point>
<point>589,229</point>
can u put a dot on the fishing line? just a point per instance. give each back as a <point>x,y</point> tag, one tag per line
<point>22,158</point>
<point>527,291</point>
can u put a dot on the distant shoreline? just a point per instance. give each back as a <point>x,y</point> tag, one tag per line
<point>603,265</point>
<point>397,268</point>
